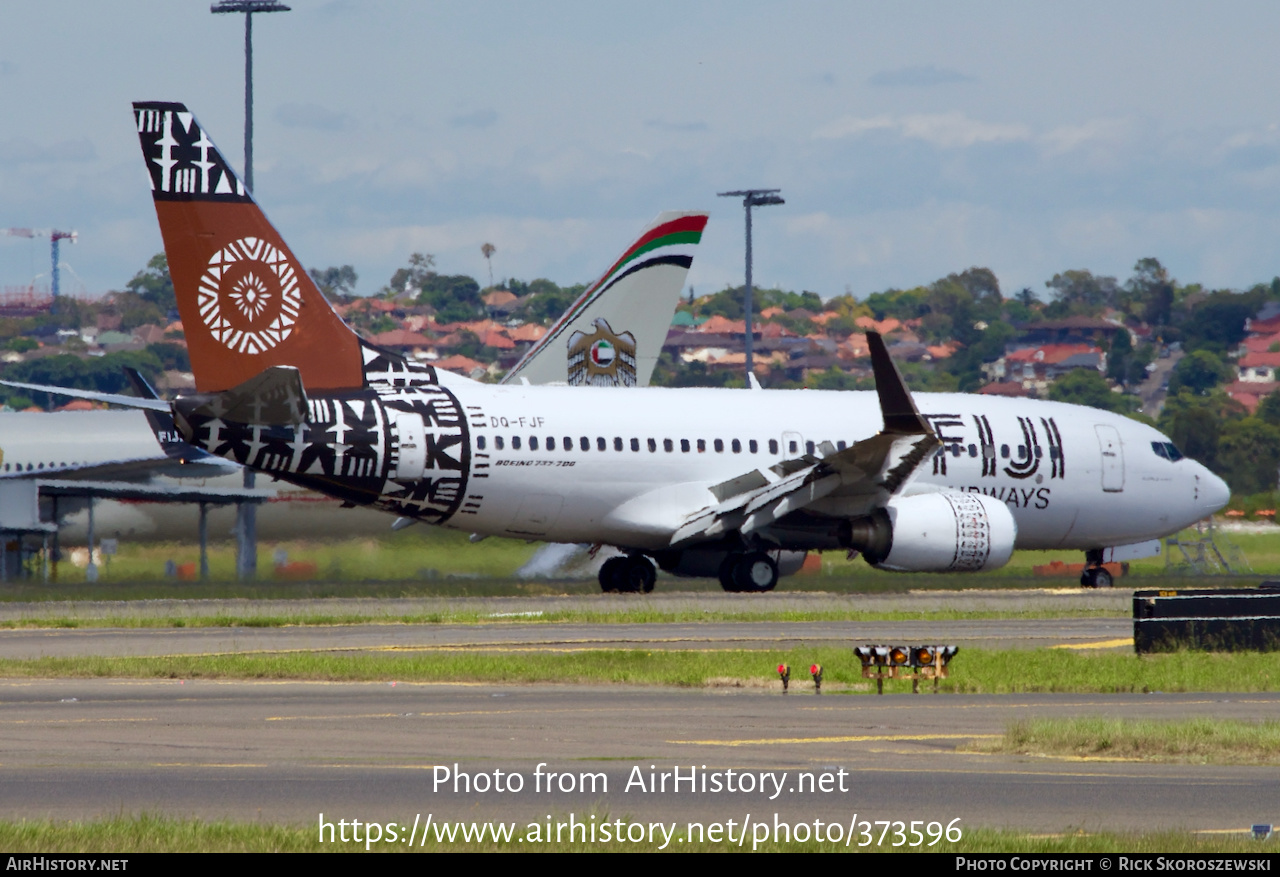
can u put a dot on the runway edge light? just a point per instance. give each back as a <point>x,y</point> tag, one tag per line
<point>816,672</point>
<point>784,673</point>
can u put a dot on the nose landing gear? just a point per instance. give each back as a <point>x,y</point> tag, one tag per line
<point>1095,575</point>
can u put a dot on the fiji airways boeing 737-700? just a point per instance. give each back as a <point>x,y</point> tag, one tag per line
<point>698,481</point>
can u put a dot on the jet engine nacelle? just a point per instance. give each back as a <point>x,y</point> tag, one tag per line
<point>935,532</point>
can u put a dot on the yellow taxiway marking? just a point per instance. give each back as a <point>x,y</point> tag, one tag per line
<point>1105,644</point>
<point>866,738</point>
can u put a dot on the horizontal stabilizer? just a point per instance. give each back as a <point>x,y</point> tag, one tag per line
<point>273,398</point>
<point>93,396</point>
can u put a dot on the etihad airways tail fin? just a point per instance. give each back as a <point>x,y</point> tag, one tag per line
<point>612,335</point>
<point>246,302</point>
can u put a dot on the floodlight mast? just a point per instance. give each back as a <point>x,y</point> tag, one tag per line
<point>247,513</point>
<point>248,7</point>
<point>751,198</point>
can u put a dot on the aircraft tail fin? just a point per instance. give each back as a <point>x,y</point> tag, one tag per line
<point>613,334</point>
<point>246,302</point>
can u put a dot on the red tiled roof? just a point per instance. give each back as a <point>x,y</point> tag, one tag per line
<point>1050,353</point>
<point>463,365</point>
<point>1007,388</point>
<point>1261,343</point>
<point>884,327</point>
<point>1253,360</point>
<point>401,338</point>
<point>719,325</point>
<point>498,340</point>
<point>526,332</point>
<point>1250,393</point>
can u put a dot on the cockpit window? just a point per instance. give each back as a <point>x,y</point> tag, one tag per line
<point>1167,450</point>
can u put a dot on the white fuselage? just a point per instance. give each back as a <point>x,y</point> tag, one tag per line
<point>1073,477</point>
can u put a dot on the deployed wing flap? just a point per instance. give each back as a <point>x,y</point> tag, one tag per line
<point>874,468</point>
<point>753,480</point>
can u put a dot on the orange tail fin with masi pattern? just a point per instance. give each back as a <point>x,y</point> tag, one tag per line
<point>245,301</point>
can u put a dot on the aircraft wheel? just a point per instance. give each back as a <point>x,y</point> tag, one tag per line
<point>756,573</point>
<point>1096,577</point>
<point>638,575</point>
<point>728,573</point>
<point>611,574</point>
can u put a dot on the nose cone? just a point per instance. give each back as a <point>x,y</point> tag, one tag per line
<point>1212,492</point>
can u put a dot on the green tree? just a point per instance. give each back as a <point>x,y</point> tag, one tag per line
<point>154,284</point>
<point>335,282</point>
<point>1149,293</point>
<point>1199,372</point>
<point>1082,291</point>
<point>1216,322</point>
<point>411,278</point>
<point>1269,409</point>
<point>455,297</point>
<point>1084,386</point>
<point>1249,455</point>
<point>1195,423</point>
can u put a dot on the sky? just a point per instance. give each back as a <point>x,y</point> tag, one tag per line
<point>910,140</point>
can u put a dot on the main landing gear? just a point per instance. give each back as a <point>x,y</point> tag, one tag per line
<point>633,574</point>
<point>754,572</point>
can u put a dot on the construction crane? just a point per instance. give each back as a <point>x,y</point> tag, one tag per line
<point>55,236</point>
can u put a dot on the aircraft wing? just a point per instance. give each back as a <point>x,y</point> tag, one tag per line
<point>863,475</point>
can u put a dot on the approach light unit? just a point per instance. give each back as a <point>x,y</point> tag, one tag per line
<point>784,673</point>
<point>905,662</point>
<point>815,671</point>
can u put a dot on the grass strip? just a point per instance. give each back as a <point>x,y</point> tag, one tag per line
<point>622,616</point>
<point>161,834</point>
<point>974,671</point>
<point>1196,740</point>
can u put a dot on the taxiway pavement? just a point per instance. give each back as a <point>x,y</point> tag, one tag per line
<point>289,751</point>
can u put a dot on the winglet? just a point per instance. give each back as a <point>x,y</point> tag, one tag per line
<point>901,417</point>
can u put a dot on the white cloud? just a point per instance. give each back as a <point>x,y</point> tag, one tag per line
<point>944,130</point>
<point>1096,133</point>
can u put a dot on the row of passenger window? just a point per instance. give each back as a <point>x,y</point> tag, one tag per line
<point>17,467</point>
<point>566,443</point>
<point>989,451</point>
